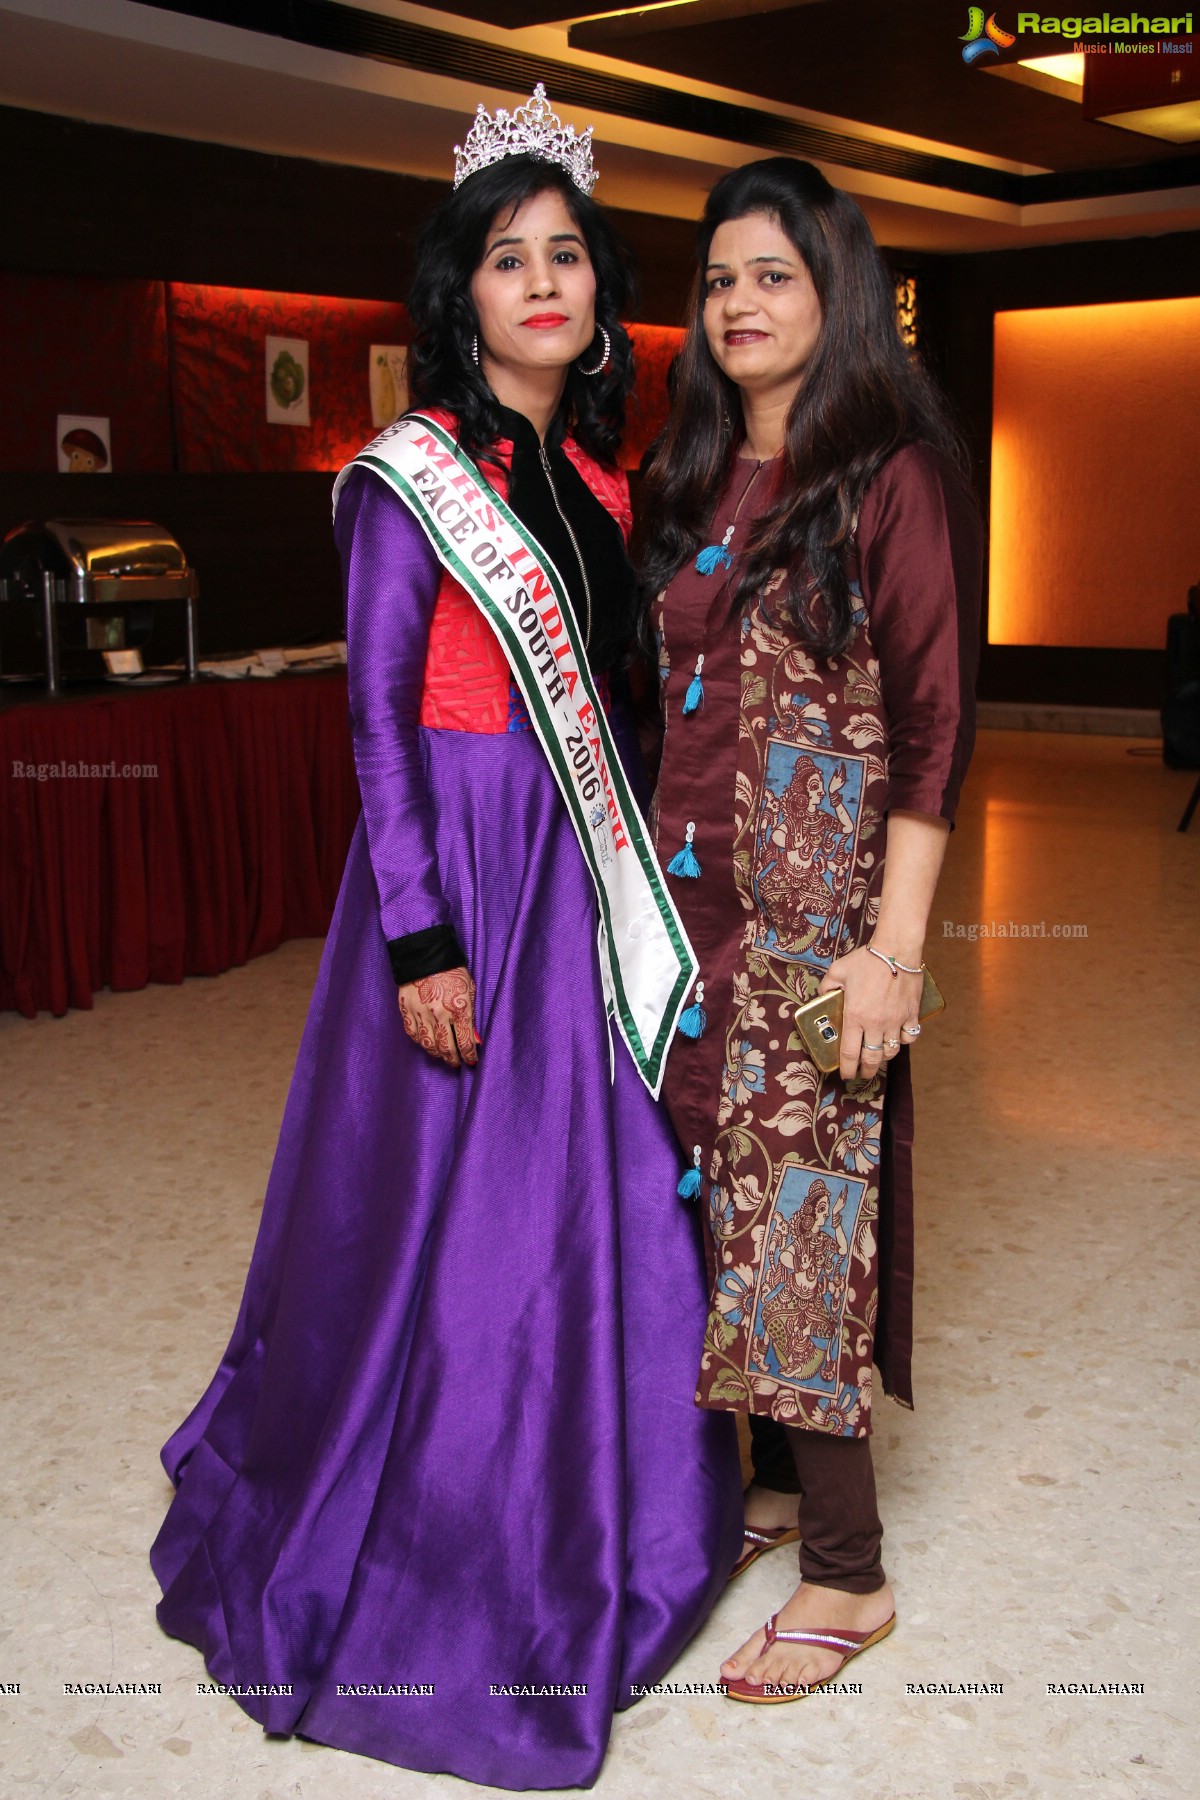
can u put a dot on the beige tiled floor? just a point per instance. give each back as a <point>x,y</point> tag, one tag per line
<point>1040,1504</point>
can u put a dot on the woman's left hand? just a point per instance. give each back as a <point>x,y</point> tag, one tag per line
<point>876,1005</point>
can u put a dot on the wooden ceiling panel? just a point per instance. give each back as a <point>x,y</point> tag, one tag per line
<point>513,14</point>
<point>896,67</point>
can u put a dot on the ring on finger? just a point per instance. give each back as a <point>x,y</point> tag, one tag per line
<point>892,1043</point>
<point>912,1030</point>
<point>871,1047</point>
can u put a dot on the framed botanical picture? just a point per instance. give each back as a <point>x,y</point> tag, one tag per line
<point>388,376</point>
<point>287,381</point>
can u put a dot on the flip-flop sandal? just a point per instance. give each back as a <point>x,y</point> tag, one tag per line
<point>758,1540</point>
<point>775,1693</point>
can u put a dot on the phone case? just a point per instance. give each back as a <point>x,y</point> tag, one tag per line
<point>819,1021</point>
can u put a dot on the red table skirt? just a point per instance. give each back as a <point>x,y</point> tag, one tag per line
<point>218,829</point>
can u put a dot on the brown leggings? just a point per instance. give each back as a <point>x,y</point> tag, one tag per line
<point>840,1532</point>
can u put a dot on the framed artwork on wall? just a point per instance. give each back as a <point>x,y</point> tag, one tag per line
<point>84,444</point>
<point>287,381</point>
<point>387,371</point>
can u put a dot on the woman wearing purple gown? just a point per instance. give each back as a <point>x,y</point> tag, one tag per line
<point>447,1500</point>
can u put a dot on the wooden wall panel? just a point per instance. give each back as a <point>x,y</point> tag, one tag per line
<point>1095,473</point>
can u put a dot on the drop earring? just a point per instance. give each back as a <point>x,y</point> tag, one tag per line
<point>475,349</point>
<point>603,363</point>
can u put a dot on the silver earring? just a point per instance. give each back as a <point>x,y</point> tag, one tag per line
<point>603,363</point>
<point>475,349</point>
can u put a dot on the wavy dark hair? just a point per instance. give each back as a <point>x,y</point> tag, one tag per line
<point>441,369</point>
<point>862,396</point>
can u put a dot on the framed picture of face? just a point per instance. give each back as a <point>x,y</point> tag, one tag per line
<point>84,445</point>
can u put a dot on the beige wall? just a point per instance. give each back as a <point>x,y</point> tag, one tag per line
<point>1095,532</point>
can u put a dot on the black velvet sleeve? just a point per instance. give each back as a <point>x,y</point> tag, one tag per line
<point>422,953</point>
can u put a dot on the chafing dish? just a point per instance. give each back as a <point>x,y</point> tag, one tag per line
<point>117,567</point>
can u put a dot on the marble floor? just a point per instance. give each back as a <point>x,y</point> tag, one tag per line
<point>1041,1503</point>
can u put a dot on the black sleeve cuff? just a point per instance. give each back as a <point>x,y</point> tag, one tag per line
<point>422,953</point>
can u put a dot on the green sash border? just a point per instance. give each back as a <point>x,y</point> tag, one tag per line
<point>536,687</point>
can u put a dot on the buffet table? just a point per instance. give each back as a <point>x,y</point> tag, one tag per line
<point>149,835</point>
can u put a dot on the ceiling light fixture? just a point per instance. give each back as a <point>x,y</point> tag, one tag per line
<point>1067,66</point>
<point>667,15</point>
<point>1155,94</point>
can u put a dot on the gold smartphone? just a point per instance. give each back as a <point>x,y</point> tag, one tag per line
<point>819,1021</point>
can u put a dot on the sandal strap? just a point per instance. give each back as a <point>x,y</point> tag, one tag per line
<point>764,1534</point>
<point>846,1640</point>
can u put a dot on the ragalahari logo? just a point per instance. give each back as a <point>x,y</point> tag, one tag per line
<point>983,37</point>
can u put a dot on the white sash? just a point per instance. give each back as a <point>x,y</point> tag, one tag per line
<point>647,965</point>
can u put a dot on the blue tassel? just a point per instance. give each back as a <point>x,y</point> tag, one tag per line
<point>695,694</point>
<point>684,861</point>
<point>713,556</point>
<point>690,1183</point>
<point>694,1020</point>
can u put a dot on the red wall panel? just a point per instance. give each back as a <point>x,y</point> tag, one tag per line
<point>655,348</point>
<point>82,344</point>
<point>218,367</point>
<point>159,358</point>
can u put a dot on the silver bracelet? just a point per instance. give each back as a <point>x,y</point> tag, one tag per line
<point>893,964</point>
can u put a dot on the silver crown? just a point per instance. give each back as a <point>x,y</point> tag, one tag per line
<point>533,130</point>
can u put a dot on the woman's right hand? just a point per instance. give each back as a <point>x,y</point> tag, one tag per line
<point>439,1014</point>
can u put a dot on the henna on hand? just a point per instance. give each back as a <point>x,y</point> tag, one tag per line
<point>438,1013</point>
<point>417,1026</point>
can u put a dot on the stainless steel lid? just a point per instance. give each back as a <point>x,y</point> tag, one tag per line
<point>95,561</point>
<point>107,546</point>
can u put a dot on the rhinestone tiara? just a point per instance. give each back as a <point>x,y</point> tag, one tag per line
<point>532,130</point>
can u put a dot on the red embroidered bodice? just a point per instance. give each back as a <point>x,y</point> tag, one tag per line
<point>467,682</point>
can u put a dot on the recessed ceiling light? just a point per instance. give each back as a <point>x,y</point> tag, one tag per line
<point>1067,66</point>
<point>1176,124</point>
<point>1061,75</point>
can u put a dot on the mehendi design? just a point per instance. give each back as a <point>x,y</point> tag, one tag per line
<point>417,1029</point>
<point>438,1013</point>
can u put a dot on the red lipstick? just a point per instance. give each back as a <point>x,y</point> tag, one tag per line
<point>545,321</point>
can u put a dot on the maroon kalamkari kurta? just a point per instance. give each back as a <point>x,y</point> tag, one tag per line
<point>787,770</point>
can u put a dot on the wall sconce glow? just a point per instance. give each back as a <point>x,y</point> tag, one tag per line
<point>906,309</point>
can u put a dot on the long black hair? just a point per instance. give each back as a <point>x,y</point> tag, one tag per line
<point>442,371</point>
<point>862,396</point>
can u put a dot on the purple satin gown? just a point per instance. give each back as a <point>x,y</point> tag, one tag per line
<point>452,1443</point>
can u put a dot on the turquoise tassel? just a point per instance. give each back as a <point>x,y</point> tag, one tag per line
<point>690,1183</point>
<point>694,1020</point>
<point>695,694</point>
<point>713,556</point>
<point>684,861</point>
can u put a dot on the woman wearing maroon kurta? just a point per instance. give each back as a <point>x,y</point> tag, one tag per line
<point>818,631</point>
